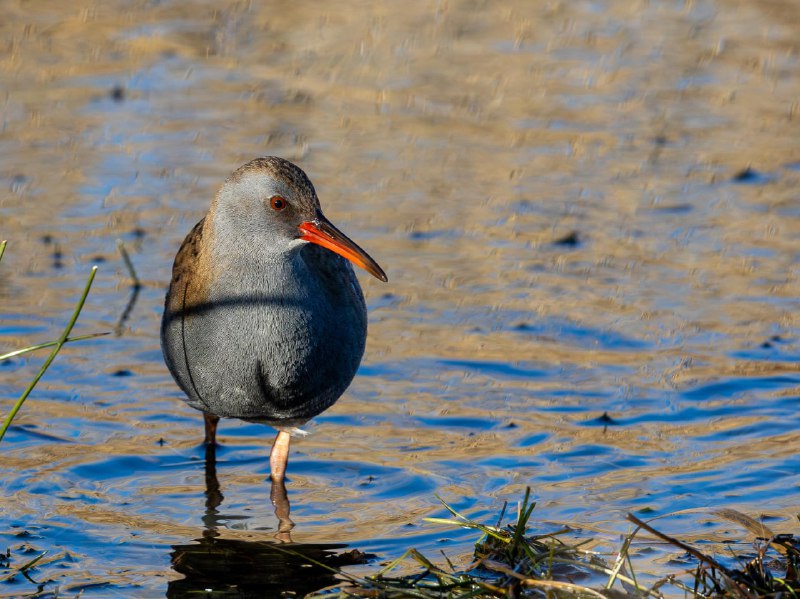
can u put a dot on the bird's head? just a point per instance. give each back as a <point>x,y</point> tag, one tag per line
<point>273,200</point>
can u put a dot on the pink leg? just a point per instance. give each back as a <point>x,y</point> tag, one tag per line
<point>279,456</point>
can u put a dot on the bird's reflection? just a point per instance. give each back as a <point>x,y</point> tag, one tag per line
<point>237,568</point>
<point>213,493</point>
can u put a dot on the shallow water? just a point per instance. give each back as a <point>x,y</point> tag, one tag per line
<point>584,209</point>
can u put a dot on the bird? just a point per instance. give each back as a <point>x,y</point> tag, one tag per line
<point>264,319</point>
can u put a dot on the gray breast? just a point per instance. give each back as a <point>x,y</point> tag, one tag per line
<point>277,341</point>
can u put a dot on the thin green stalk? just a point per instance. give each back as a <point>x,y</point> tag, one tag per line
<point>25,350</point>
<point>487,530</point>
<point>2,248</point>
<point>522,520</point>
<point>59,344</point>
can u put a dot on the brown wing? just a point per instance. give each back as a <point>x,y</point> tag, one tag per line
<point>187,287</point>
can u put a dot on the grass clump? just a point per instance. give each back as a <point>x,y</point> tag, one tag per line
<point>509,561</point>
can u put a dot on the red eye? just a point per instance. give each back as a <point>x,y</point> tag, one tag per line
<point>277,203</point>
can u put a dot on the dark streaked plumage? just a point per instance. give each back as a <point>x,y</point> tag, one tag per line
<point>264,319</point>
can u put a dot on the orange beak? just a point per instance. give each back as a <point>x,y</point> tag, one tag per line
<point>323,233</point>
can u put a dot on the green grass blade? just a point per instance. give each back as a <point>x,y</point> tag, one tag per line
<point>2,248</point>
<point>59,344</point>
<point>31,348</point>
<point>522,521</point>
<point>487,530</point>
<point>392,564</point>
<point>450,509</point>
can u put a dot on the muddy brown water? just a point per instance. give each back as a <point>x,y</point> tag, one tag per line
<point>584,208</point>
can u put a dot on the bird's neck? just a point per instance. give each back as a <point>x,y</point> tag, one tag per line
<point>247,245</point>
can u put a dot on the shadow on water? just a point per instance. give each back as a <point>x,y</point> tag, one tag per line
<point>237,568</point>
